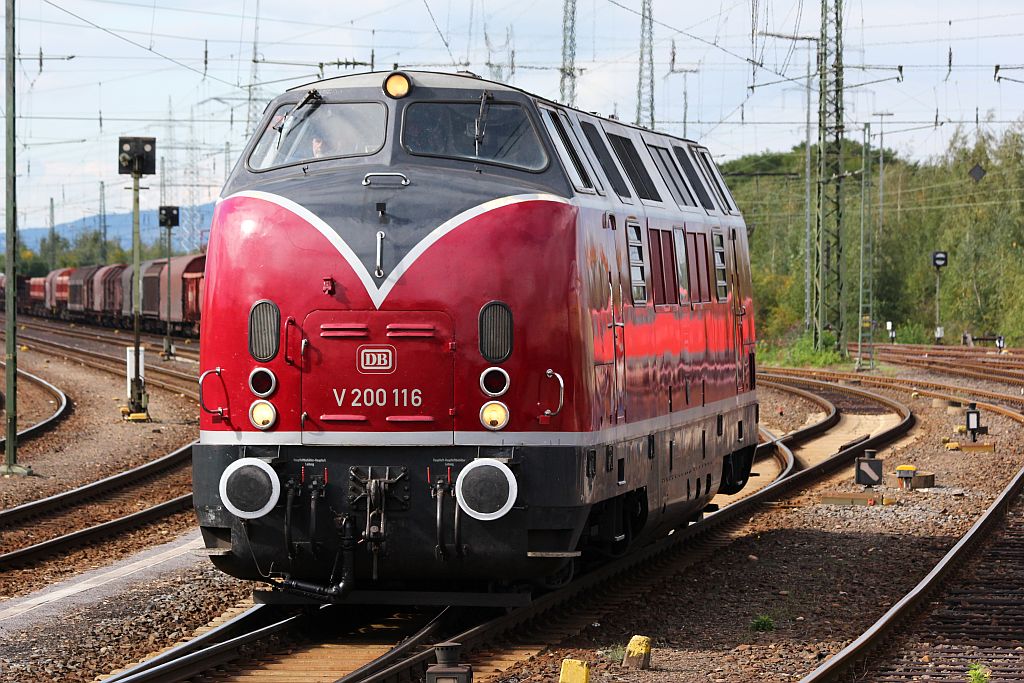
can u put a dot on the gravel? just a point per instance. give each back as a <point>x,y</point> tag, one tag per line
<point>813,576</point>
<point>783,412</point>
<point>22,581</point>
<point>89,641</point>
<point>94,442</point>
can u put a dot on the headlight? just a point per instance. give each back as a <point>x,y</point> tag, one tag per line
<point>262,414</point>
<point>396,85</point>
<point>262,382</point>
<point>494,382</point>
<point>494,415</point>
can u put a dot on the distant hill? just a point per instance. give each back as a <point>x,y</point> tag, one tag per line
<point>119,229</point>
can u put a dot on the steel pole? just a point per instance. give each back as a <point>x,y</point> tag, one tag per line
<point>807,205</point>
<point>863,206</point>
<point>167,341</point>
<point>11,259</point>
<point>938,277</point>
<point>136,398</point>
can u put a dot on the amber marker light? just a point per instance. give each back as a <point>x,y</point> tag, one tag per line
<point>494,415</point>
<point>397,85</point>
<point>262,414</point>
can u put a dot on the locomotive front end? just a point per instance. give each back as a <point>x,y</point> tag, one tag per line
<point>388,347</point>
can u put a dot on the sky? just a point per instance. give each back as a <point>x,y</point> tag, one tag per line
<point>89,71</point>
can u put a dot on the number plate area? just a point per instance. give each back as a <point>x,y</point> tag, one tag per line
<point>378,373</point>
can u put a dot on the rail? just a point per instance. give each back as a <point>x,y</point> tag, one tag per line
<point>395,665</point>
<point>62,410</point>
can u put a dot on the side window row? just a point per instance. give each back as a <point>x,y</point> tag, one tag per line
<point>679,266</point>
<point>701,173</point>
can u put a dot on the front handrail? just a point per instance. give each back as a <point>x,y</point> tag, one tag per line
<point>202,404</point>
<point>561,393</point>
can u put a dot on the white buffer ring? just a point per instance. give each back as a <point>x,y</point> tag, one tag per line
<point>275,488</point>
<point>513,489</point>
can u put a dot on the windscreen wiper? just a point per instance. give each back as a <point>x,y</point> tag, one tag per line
<point>481,120</point>
<point>282,124</point>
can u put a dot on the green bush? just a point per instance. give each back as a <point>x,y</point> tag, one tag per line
<point>802,353</point>
<point>915,333</point>
<point>762,623</point>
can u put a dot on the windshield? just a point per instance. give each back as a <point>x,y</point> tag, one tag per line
<point>503,133</point>
<point>320,130</point>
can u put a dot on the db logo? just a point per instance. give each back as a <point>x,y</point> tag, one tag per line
<point>375,359</point>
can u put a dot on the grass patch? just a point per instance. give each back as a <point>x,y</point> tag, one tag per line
<point>978,673</point>
<point>762,623</point>
<point>800,353</point>
<point>616,652</point>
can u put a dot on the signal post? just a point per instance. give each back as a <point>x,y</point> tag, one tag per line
<point>136,157</point>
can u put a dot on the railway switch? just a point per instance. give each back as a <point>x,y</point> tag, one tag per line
<point>448,669</point>
<point>869,470</point>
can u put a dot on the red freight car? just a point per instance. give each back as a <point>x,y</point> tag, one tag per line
<point>456,336</point>
<point>56,291</point>
<point>107,293</point>
<point>80,291</point>
<point>186,273</point>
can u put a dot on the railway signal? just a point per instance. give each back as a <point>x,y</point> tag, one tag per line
<point>168,219</point>
<point>939,259</point>
<point>136,157</point>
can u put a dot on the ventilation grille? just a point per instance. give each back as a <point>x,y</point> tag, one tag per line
<point>496,332</point>
<point>264,330</point>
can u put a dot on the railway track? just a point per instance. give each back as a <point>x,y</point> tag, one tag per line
<point>982,366</point>
<point>493,641</point>
<point>969,609</point>
<point>179,382</point>
<point>105,508</point>
<point>63,407</point>
<point>922,387</point>
<point>184,348</point>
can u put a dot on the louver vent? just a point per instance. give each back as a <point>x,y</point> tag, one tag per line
<point>264,330</point>
<point>496,332</point>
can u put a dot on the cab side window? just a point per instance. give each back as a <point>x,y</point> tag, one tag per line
<point>574,166</point>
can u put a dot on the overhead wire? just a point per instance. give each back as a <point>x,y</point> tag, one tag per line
<point>136,44</point>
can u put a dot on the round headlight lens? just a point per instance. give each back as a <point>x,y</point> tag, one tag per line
<point>262,414</point>
<point>397,85</point>
<point>494,415</point>
<point>494,382</point>
<point>262,382</point>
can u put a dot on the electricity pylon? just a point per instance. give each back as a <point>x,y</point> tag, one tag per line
<point>645,82</point>
<point>828,265</point>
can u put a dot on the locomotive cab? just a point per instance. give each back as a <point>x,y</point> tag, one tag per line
<point>436,355</point>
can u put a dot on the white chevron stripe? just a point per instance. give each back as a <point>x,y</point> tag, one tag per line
<point>378,295</point>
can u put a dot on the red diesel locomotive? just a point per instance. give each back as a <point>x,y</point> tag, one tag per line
<point>456,337</point>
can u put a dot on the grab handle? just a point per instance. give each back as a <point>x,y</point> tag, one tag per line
<point>202,404</point>
<point>287,324</point>
<point>366,178</point>
<point>561,393</point>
